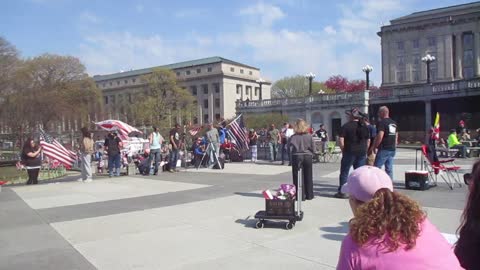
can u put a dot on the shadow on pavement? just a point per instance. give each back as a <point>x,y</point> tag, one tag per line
<point>249,194</point>
<point>336,233</point>
<point>324,190</point>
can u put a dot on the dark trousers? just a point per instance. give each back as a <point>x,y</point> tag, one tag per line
<point>349,159</point>
<point>305,163</point>
<point>32,176</point>
<point>155,155</point>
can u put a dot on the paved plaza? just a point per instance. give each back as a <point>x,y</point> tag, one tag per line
<point>189,220</point>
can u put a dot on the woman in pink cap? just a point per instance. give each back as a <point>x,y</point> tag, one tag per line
<point>389,230</point>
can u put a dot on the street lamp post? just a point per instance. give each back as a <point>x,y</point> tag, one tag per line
<point>260,82</point>
<point>367,69</point>
<point>428,59</point>
<point>310,76</point>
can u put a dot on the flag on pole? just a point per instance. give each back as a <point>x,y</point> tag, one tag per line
<point>238,132</point>
<point>55,150</point>
<point>123,128</point>
<point>194,130</point>
<point>436,127</point>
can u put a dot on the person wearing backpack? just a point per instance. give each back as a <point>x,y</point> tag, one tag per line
<point>113,145</point>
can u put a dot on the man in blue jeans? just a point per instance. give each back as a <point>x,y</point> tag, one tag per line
<point>386,141</point>
<point>113,145</point>
<point>175,142</point>
<point>354,141</point>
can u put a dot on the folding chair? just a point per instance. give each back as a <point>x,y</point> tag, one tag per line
<point>447,169</point>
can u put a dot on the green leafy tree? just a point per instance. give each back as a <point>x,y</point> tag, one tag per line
<point>297,86</point>
<point>257,121</point>
<point>162,102</point>
<point>8,64</point>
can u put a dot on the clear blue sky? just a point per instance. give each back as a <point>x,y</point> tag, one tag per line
<point>281,37</point>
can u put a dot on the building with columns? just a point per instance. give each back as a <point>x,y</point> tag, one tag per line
<point>451,35</point>
<point>216,82</point>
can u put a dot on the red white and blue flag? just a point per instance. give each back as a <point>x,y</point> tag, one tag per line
<point>238,133</point>
<point>115,125</point>
<point>55,150</point>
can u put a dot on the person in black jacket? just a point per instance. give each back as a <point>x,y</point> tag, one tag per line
<point>468,244</point>
<point>32,160</point>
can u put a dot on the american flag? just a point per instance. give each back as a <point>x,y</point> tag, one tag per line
<point>238,132</point>
<point>54,150</point>
<point>194,130</point>
<point>123,128</point>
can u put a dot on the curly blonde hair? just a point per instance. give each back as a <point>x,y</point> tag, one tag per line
<point>301,126</point>
<point>390,217</point>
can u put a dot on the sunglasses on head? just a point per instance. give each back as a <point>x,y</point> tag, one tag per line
<point>467,178</point>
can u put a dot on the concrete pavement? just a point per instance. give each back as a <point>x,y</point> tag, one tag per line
<point>189,220</point>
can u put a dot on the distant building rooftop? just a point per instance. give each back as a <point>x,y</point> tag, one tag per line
<point>439,12</point>
<point>192,63</point>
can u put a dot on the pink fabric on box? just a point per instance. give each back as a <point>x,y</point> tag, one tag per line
<point>432,251</point>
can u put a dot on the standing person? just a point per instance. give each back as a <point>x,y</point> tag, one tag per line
<point>389,230</point>
<point>386,141</point>
<point>372,130</point>
<point>323,135</point>
<point>32,160</point>
<point>290,132</point>
<point>86,151</point>
<point>467,247</point>
<point>252,142</point>
<point>175,143</point>
<point>113,145</point>
<point>213,139</point>
<point>283,141</point>
<point>156,141</point>
<point>354,141</point>
<point>301,144</point>
<point>273,137</point>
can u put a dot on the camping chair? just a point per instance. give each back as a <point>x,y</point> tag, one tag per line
<point>447,169</point>
<point>333,152</point>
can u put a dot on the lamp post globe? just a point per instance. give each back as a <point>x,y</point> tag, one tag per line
<point>428,59</point>
<point>310,76</point>
<point>260,82</point>
<point>367,69</point>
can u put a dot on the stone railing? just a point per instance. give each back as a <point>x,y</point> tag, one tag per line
<point>340,98</point>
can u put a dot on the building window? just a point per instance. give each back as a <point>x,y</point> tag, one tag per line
<point>232,69</point>
<point>247,90</point>
<point>106,99</point>
<point>111,83</point>
<point>400,61</point>
<point>217,103</point>
<point>416,44</point>
<point>205,88</point>
<point>432,41</point>
<point>416,59</point>
<point>103,84</point>
<point>401,76</point>
<point>241,71</point>
<point>250,73</point>
<point>205,118</point>
<point>126,82</point>
<point>118,82</point>
<point>468,60</point>
<point>188,72</point>
<point>205,103</point>
<point>209,69</point>
<point>400,46</point>
<point>416,75</point>
<point>112,98</point>
<point>216,86</point>
<point>134,80</point>
<point>195,120</point>
<point>198,70</point>
<point>178,73</point>
<point>217,117</point>
<point>194,90</point>
<point>256,91</point>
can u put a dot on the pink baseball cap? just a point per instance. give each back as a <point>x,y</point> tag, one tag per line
<point>363,182</point>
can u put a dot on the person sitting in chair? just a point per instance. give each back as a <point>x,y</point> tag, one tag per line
<point>226,147</point>
<point>453,143</point>
<point>198,148</point>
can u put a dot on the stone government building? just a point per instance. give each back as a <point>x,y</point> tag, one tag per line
<point>451,35</point>
<point>216,82</point>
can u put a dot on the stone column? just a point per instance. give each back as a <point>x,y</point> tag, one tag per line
<point>428,114</point>
<point>476,51</point>
<point>448,53</point>
<point>200,113</point>
<point>458,55</point>
<point>211,104</point>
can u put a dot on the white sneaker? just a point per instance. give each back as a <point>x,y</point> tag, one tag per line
<point>88,180</point>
